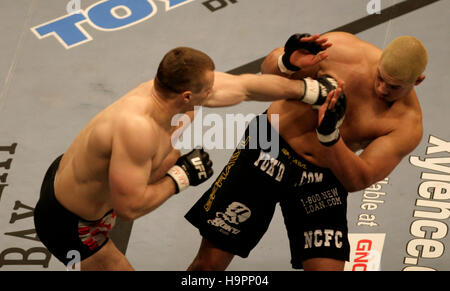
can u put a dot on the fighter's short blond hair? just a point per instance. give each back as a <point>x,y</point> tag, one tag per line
<point>405,58</point>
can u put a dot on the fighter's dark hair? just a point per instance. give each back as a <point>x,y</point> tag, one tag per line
<point>183,69</point>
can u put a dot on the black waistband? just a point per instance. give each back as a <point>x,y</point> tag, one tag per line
<point>272,143</point>
<point>49,178</point>
<point>47,194</point>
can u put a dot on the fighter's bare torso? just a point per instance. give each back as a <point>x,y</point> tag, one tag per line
<point>82,179</point>
<point>367,116</point>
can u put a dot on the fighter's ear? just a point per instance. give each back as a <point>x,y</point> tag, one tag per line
<point>419,80</point>
<point>186,95</point>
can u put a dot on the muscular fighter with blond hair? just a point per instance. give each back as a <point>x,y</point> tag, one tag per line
<point>317,165</point>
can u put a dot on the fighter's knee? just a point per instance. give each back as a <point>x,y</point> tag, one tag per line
<point>107,258</point>
<point>202,263</point>
<point>210,258</point>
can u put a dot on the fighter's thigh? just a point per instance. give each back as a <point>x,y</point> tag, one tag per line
<point>316,222</point>
<point>107,258</point>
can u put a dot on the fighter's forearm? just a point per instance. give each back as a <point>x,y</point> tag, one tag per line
<point>353,172</point>
<point>168,162</point>
<point>154,195</point>
<point>160,187</point>
<point>272,88</point>
<point>231,89</point>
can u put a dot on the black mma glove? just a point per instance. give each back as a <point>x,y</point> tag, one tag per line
<point>192,168</point>
<point>316,91</point>
<point>328,130</point>
<point>293,44</point>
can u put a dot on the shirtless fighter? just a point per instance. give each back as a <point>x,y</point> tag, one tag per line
<point>317,163</point>
<point>123,163</point>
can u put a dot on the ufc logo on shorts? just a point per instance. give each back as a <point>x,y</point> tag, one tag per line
<point>199,166</point>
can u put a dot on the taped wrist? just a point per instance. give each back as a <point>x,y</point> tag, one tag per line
<point>311,91</point>
<point>328,130</point>
<point>180,178</point>
<point>282,67</point>
<point>292,44</point>
<point>328,139</point>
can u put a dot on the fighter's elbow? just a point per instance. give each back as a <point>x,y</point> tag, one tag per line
<point>126,213</point>
<point>358,183</point>
<point>355,187</point>
<point>266,67</point>
<point>125,206</point>
<point>269,64</point>
<point>126,216</point>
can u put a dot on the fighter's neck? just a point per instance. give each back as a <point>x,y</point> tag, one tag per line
<point>162,109</point>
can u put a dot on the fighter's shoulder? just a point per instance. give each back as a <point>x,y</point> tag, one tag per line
<point>340,36</point>
<point>222,78</point>
<point>135,132</point>
<point>410,106</point>
<point>409,122</point>
<point>345,45</point>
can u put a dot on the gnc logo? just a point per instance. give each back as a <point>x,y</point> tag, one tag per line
<point>366,251</point>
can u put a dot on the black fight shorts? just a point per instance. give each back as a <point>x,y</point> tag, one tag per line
<point>237,209</point>
<point>63,232</point>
